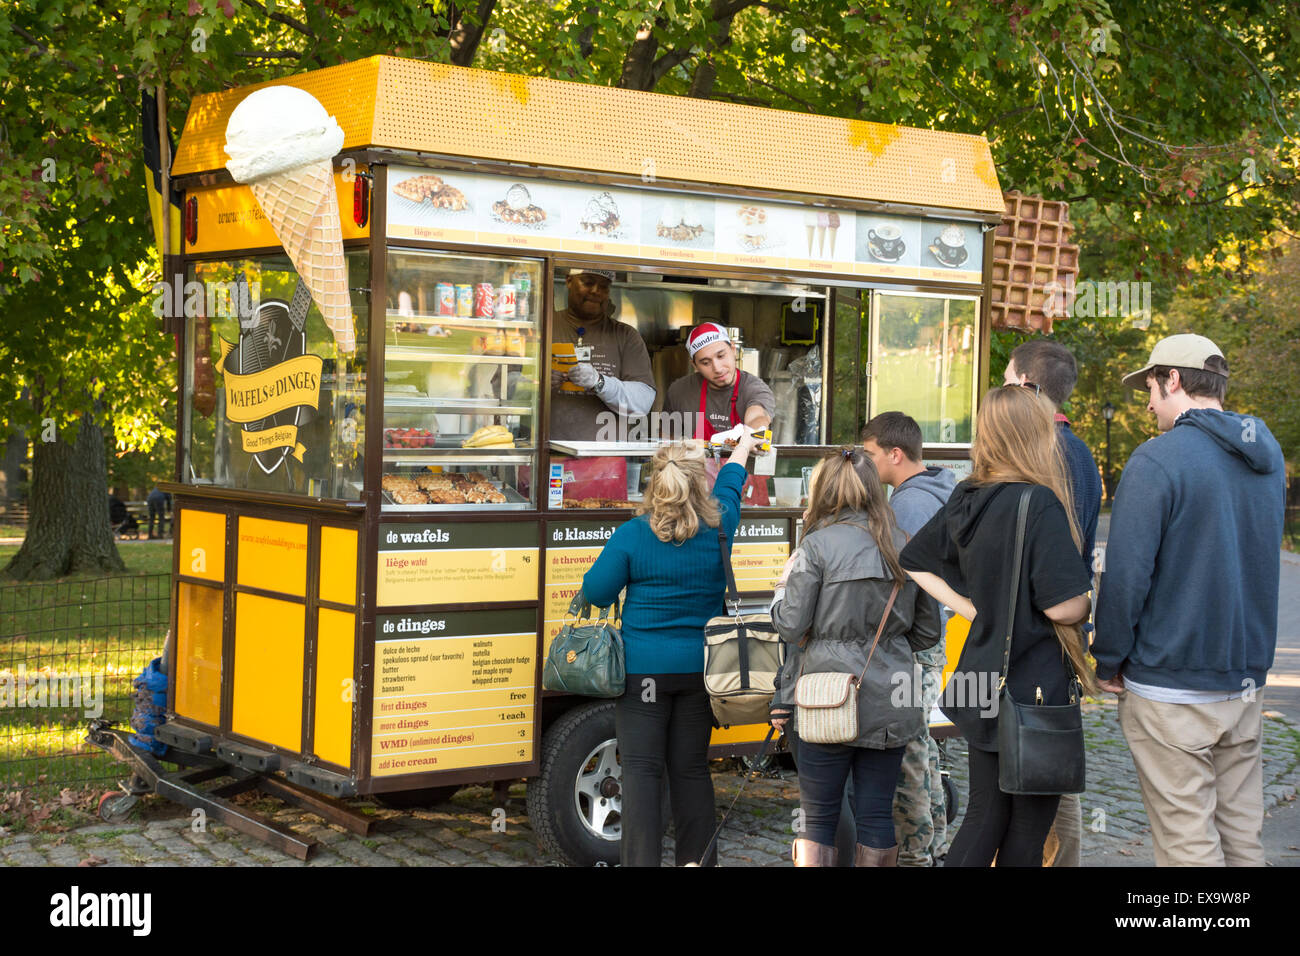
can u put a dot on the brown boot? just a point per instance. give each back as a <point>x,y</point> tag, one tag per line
<point>808,853</point>
<point>872,856</point>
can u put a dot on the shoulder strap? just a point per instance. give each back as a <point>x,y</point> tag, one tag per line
<point>879,628</point>
<point>1022,516</point>
<point>733,596</point>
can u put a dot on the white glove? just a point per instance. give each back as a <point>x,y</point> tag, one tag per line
<point>583,375</point>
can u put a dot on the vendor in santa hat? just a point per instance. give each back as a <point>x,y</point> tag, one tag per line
<point>718,395</point>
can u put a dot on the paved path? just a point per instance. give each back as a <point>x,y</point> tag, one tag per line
<point>460,831</point>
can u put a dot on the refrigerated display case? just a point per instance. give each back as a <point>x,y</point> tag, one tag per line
<point>461,345</point>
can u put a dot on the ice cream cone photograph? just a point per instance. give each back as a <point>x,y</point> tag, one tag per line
<point>710,433</point>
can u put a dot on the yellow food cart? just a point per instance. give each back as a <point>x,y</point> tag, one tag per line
<point>375,544</point>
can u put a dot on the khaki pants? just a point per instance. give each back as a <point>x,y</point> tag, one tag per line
<point>1066,837</point>
<point>1202,775</point>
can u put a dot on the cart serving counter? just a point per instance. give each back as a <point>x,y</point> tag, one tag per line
<point>381,519</point>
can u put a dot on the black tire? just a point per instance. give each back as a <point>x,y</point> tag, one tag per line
<point>951,798</point>
<point>416,799</point>
<point>554,802</point>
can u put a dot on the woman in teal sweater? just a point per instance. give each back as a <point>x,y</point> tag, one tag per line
<point>668,558</point>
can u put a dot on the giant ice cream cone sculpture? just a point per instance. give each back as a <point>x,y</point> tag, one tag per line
<point>281,142</point>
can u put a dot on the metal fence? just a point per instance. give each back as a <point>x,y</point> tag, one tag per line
<point>69,651</point>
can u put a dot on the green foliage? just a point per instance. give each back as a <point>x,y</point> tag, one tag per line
<point>1171,130</point>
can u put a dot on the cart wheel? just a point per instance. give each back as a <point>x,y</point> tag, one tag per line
<point>416,799</point>
<point>575,806</point>
<point>115,806</point>
<point>951,798</point>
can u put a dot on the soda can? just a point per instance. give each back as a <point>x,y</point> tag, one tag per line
<point>445,298</point>
<point>484,307</point>
<point>465,301</point>
<point>505,302</point>
<point>523,283</point>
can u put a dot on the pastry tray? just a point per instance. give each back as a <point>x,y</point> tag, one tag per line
<point>514,502</point>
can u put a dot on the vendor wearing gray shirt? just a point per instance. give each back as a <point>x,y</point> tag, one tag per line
<point>718,395</point>
<point>617,380</point>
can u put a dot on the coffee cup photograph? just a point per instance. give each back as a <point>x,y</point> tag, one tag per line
<point>889,241</point>
<point>950,246</point>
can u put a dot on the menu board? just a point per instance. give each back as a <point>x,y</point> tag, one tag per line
<point>453,691</point>
<point>457,563</point>
<point>758,553</point>
<point>545,215</point>
<point>571,548</point>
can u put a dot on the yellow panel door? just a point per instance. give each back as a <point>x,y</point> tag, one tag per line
<point>335,645</point>
<point>198,653</point>
<point>269,641</point>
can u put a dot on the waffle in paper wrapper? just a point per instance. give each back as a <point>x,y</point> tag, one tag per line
<point>303,209</point>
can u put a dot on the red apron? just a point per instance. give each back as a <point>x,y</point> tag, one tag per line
<point>703,427</point>
<point>755,490</point>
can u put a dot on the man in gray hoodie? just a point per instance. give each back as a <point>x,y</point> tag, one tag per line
<point>892,441</point>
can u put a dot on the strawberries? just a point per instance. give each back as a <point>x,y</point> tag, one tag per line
<point>409,438</point>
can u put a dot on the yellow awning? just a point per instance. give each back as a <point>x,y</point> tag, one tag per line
<point>396,103</point>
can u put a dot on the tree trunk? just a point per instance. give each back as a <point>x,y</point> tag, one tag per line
<point>466,36</point>
<point>638,63</point>
<point>67,526</point>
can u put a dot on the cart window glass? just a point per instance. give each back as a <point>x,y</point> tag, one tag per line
<point>271,403</point>
<point>461,343</point>
<point>924,362</point>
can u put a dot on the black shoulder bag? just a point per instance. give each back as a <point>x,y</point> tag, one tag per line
<point>1040,746</point>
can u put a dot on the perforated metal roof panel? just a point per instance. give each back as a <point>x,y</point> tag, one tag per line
<point>432,107</point>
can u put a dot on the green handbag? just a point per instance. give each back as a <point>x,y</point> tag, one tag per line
<point>587,658</point>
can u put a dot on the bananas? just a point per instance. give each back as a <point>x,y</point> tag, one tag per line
<point>490,436</point>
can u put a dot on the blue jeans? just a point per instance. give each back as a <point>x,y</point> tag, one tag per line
<point>823,771</point>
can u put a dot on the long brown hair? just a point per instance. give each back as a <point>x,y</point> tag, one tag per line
<point>679,495</point>
<point>1016,440</point>
<point>844,482</point>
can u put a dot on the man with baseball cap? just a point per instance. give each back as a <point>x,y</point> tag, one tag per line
<point>616,377</point>
<point>1187,611</point>
<point>718,395</point>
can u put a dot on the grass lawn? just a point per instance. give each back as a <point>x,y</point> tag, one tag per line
<point>101,631</point>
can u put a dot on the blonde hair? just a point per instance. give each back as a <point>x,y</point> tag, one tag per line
<point>679,494</point>
<point>844,482</point>
<point>1016,440</point>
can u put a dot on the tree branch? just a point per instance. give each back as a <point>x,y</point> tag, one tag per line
<point>269,54</point>
<point>283,18</point>
<point>811,108</point>
<point>47,50</point>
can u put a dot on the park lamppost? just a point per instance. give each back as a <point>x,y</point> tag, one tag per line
<point>1108,412</point>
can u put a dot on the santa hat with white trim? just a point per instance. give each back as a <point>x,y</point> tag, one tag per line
<point>702,336</point>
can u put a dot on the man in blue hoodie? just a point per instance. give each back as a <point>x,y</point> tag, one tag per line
<point>892,441</point>
<point>1187,612</point>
